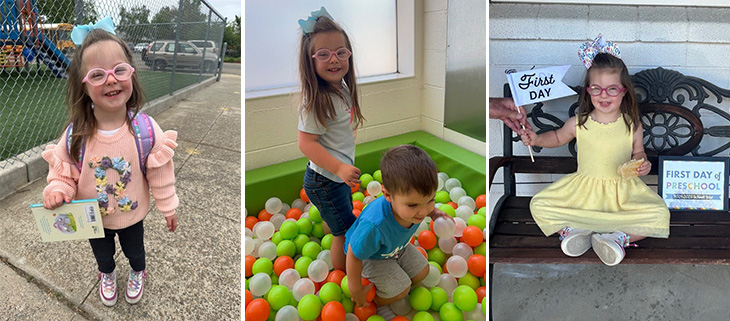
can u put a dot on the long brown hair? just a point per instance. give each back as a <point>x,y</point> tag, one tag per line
<point>629,107</point>
<point>315,90</point>
<point>78,100</point>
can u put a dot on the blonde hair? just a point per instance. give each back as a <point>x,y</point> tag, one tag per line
<point>315,90</point>
<point>79,102</point>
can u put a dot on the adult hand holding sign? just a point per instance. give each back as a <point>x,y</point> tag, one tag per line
<point>505,110</point>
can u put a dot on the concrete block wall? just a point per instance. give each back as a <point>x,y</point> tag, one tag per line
<point>691,40</point>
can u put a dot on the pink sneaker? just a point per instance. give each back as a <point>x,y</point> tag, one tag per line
<point>135,286</point>
<point>108,288</point>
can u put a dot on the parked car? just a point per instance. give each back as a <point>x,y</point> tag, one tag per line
<point>160,54</point>
<point>209,45</point>
<point>140,46</point>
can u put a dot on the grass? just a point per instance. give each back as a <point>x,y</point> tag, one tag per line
<point>32,108</point>
<point>232,59</point>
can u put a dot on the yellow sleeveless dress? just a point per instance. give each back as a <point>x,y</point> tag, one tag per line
<point>595,197</point>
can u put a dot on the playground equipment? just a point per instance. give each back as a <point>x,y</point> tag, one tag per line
<point>22,39</point>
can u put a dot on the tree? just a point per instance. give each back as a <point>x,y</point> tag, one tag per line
<point>64,11</point>
<point>232,36</point>
<point>129,25</point>
<point>164,23</point>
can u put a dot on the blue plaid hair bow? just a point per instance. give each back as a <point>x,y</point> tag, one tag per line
<point>79,33</point>
<point>308,25</point>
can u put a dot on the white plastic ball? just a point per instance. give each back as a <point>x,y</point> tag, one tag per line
<point>459,226</point>
<point>268,250</point>
<point>464,212</point>
<point>284,208</point>
<point>475,314</point>
<point>256,244</point>
<point>307,207</point>
<point>318,270</point>
<point>402,306</point>
<point>374,188</point>
<point>299,203</point>
<point>440,184</point>
<point>451,183</point>
<point>290,220</point>
<point>351,317</point>
<point>425,224</point>
<point>248,244</point>
<point>443,176</point>
<point>263,230</point>
<point>288,277</point>
<point>462,249</point>
<point>432,279</point>
<point>305,286</point>
<point>287,313</point>
<point>273,205</point>
<point>448,283</point>
<point>368,199</point>
<point>444,227</point>
<point>468,201</point>
<point>326,256</point>
<point>456,193</point>
<point>304,215</point>
<point>245,212</point>
<point>277,220</point>
<point>259,284</point>
<point>457,266</point>
<point>247,232</point>
<point>446,244</point>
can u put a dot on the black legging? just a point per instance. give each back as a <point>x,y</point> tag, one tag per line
<point>132,241</point>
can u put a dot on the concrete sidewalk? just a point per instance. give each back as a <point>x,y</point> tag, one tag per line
<point>193,273</point>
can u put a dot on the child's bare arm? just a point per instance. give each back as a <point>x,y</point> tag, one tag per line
<point>553,138</point>
<point>638,151</point>
<point>309,146</point>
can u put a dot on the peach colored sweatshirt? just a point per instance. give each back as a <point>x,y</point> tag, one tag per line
<point>106,160</point>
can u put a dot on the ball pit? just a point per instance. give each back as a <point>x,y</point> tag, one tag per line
<point>301,281</point>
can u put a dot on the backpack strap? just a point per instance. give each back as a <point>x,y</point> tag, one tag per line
<point>69,132</point>
<point>145,136</point>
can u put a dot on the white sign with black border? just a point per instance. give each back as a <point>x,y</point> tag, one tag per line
<point>692,183</point>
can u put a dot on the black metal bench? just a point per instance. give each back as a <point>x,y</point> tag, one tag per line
<point>673,108</point>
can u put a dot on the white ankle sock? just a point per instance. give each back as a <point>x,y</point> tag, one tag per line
<point>385,312</point>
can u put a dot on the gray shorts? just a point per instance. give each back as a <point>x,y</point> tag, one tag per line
<point>393,276</point>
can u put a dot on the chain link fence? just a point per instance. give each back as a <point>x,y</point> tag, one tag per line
<point>176,43</point>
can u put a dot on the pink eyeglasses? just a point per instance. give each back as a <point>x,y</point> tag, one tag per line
<point>612,91</point>
<point>324,55</point>
<point>98,76</point>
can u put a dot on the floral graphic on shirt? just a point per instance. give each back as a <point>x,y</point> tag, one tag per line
<point>118,190</point>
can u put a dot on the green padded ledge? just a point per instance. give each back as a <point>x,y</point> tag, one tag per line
<point>284,180</point>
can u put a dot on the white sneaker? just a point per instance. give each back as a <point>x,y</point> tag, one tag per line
<point>108,288</point>
<point>575,242</point>
<point>610,247</point>
<point>135,286</point>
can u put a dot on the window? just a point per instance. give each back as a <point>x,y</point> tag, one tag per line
<point>381,32</point>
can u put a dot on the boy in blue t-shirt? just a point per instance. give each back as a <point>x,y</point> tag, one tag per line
<point>377,244</point>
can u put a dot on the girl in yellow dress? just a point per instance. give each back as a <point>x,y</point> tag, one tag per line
<point>595,206</point>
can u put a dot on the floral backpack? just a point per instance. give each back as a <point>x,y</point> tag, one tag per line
<point>143,132</point>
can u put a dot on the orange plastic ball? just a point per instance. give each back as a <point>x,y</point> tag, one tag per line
<point>251,221</point>
<point>371,294</point>
<point>426,239</point>
<point>249,298</point>
<point>453,205</point>
<point>357,205</point>
<point>356,212</point>
<point>249,265</point>
<point>399,318</point>
<point>335,276</point>
<point>420,249</point>
<point>364,312</point>
<point>264,215</point>
<point>430,226</point>
<point>413,240</point>
<point>294,213</point>
<point>257,310</point>
<point>303,196</point>
<point>481,293</point>
<point>477,264</point>
<point>355,188</point>
<point>472,235</point>
<point>481,201</point>
<point>333,311</point>
<point>282,263</point>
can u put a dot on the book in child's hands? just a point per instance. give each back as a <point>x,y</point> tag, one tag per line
<point>78,220</point>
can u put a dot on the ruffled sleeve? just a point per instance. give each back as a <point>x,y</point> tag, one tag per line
<point>63,174</point>
<point>161,170</point>
<point>163,151</point>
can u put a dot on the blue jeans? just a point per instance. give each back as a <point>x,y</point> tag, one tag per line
<point>334,201</point>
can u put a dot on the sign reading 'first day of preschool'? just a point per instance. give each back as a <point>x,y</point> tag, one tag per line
<point>694,183</point>
<point>532,86</point>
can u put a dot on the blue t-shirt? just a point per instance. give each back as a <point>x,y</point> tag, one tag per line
<point>376,235</point>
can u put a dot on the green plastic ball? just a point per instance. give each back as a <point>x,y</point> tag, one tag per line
<point>435,254</point>
<point>378,176</point>
<point>423,316</point>
<point>327,241</point>
<point>348,304</point>
<point>262,265</point>
<point>442,197</point>
<point>300,241</point>
<point>449,312</point>
<point>286,248</point>
<point>469,280</point>
<point>288,230</point>
<point>478,221</point>
<point>318,230</point>
<point>314,214</point>
<point>309,307</point>
<point>375,317</point>
<point>272,315</point>
<point>304,225</point>
<point>365,179</point>
<point>330,291</point>
<point>481,249</point>
<point>276,238</point>
<point>482,281</point>
<point>311,249</point>
<point>279,296</point>
<point>420,299</point>
<point>441,271</point>
<point>438,298</point>
<point>301,266</point>
<point>484,305</point>
<point>274,278</point>
<point>482,211</point>
<point>448,209</point>
<point>345,287</point>
<point>358,196</point>
<point>465,298</point>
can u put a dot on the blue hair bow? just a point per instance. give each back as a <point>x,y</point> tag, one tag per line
<point>308,25</point>
<point>79,33</point>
